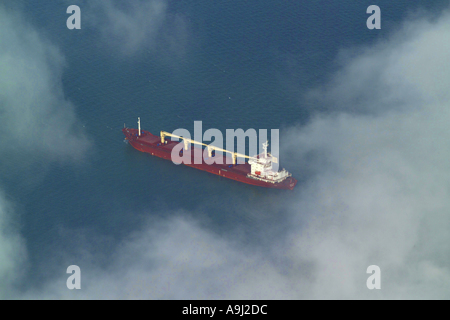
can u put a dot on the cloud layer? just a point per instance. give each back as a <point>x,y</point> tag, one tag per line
<point>377,192</point>
<point>138,25</point>
<point>38,126</point>
<point>36,118</point>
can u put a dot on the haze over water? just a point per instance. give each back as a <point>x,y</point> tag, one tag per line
<point>362,117</point>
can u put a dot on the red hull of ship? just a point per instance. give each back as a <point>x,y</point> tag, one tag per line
<point>150,143</point>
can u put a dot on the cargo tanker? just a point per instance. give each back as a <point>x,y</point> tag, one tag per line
<point>256,171</point>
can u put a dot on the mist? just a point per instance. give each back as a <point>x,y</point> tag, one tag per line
<point>39,127</point>
<point>137,27</point>
<point>376,193</point>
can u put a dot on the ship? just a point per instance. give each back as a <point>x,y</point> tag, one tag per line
<point>256,171</point>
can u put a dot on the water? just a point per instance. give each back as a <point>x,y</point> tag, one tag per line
<point>247,64</point>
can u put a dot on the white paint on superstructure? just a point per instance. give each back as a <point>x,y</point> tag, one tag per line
<point>261,167</point>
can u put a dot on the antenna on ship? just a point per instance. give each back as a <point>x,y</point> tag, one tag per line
<point>265,145</point>
<point>139,126</point>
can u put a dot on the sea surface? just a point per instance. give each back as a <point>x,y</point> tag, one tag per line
<point>245,64</point>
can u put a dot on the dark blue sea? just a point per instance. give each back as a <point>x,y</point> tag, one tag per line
<point>230,64</point>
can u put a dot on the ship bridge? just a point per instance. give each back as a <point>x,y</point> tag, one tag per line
<point>261,167</point>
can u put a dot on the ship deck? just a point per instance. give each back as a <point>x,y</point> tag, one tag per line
<point>154,141</point>
<point>150,143</point>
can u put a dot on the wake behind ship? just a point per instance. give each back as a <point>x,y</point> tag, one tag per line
<point>257,171</point>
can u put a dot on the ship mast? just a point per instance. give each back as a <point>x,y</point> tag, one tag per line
<point>265,145</point>
<point>139,126</point>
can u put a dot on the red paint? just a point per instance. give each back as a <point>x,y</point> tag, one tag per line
<point>150,143</point>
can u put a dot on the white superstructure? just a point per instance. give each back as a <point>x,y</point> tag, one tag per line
<point>261,168</point>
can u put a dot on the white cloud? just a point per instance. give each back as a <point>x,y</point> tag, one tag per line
<point>382,196</point>
<point>133,26</point>
<point>405,71</point>
<point>38,126</point>
<point>177,259</point>
<point>37,120</point>
<point>378,194</point>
